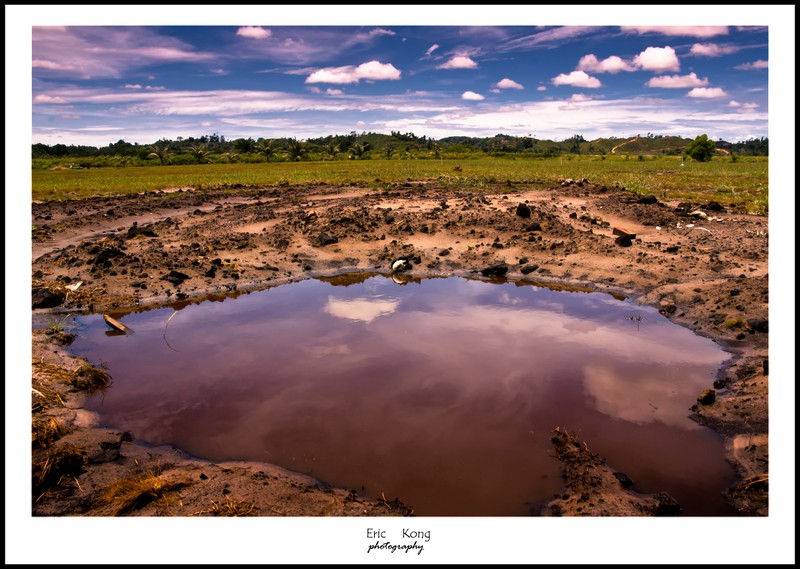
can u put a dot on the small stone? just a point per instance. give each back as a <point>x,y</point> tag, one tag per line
<point>707,397</point>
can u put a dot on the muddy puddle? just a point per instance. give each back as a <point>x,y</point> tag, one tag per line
<point>441,392</point>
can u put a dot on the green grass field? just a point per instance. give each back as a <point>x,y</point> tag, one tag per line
<point>743,182</point>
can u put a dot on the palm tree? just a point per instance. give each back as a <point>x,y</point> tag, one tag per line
<point>358,150</point>
<point>297,149</point>
<point>199,152</point>
<point>160,152</point>
<point>331,149</point>
<point>267,148</point>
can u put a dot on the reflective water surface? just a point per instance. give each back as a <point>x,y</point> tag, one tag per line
<point>441,392</point>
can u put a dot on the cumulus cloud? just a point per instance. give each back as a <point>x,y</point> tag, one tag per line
<point>507,83</point>
<point>579,98</point>
<point>760,64</point>
<point>431,49</point>
<point>692,31</point>
<point>612,64</point>
<point>458,62</point>
<point>541,88</point>
<point>472,96</point>
<point>577,79</point>
<point>254,32</point>
<point>743,107</point>
<point>707,93</point>
<point>370,71</point>
<point>677,81</point>
<point>658,59</point>
<point>712,49</point>
<point>334,92</point>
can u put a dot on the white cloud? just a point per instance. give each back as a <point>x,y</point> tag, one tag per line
<point>712,49</point>
<point>431,49</point>
<point>507,83</point>
<point>747,107</point>
<point>760,64</point>
<point>577,79</point>
<point>734,104</point>
<point>579,98</point>
<point>314,89</point>
<point>334,92</point>
<point>612,64</point>
<point>495,90</point>
<point>47,64</point>
<point>38,99</point>
<point>658,59</point>
<point>134,86</point>
<point>541,88</point>
<point>472,96</point>
<point>458,62</point>
<point>692,31</point>
<point>707,93</point>
<point>677,81</point>
<point>363,309</point>
<point>254,32</point>
<point>370,71</point>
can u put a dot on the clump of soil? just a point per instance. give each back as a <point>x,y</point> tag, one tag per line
<point>703,268</point>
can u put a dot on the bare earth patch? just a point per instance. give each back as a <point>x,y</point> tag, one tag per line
<point>703,267</point>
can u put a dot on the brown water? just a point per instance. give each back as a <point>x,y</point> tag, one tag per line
<point>442,392</point>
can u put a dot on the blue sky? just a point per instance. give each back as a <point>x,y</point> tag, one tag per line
<point>95,84</point>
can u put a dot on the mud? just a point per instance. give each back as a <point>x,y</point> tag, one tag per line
<point>703,266</point>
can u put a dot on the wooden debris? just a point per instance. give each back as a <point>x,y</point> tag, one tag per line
<point>116,324</point>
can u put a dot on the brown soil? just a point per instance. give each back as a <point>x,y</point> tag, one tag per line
<point>706,271</point>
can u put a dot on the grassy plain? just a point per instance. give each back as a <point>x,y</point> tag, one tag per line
<point>743,182</point>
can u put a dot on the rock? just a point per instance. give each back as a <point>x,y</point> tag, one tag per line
<point>325,239</point>
<point>527,269</point>
<point>765,366</point>
<point>707,397</point>
<point>535,226</point>
<point>401,265</point>
<point>715,206</point>
<point>623,479</point>
<point>495,270</point>
<point>103,258</point>
<point>444,252</point>
<point>666,505</point>
<point>624,241</point>
<point>46,298</point>
<point>758,324</point>
<point>672,249</point>
<point>648,199</point>
<point>136,231</point>
<point>523,210</point>
<point>176,277</point>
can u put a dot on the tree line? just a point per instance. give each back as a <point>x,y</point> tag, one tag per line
<point>215,148</point>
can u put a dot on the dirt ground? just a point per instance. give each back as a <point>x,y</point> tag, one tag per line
<point>702,265</point>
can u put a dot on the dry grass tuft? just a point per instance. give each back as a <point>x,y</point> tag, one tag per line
<point>51,469</point>
<point>51,372</point>
<point>90,378</point>
<point>44,398</point>
<point>124,496</point>
<point>46,431</point>
<point>231,508</point>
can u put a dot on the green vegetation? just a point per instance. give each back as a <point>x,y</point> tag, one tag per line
<point>701,149</point>
<point>732,174</point>
<point>743,182</point>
